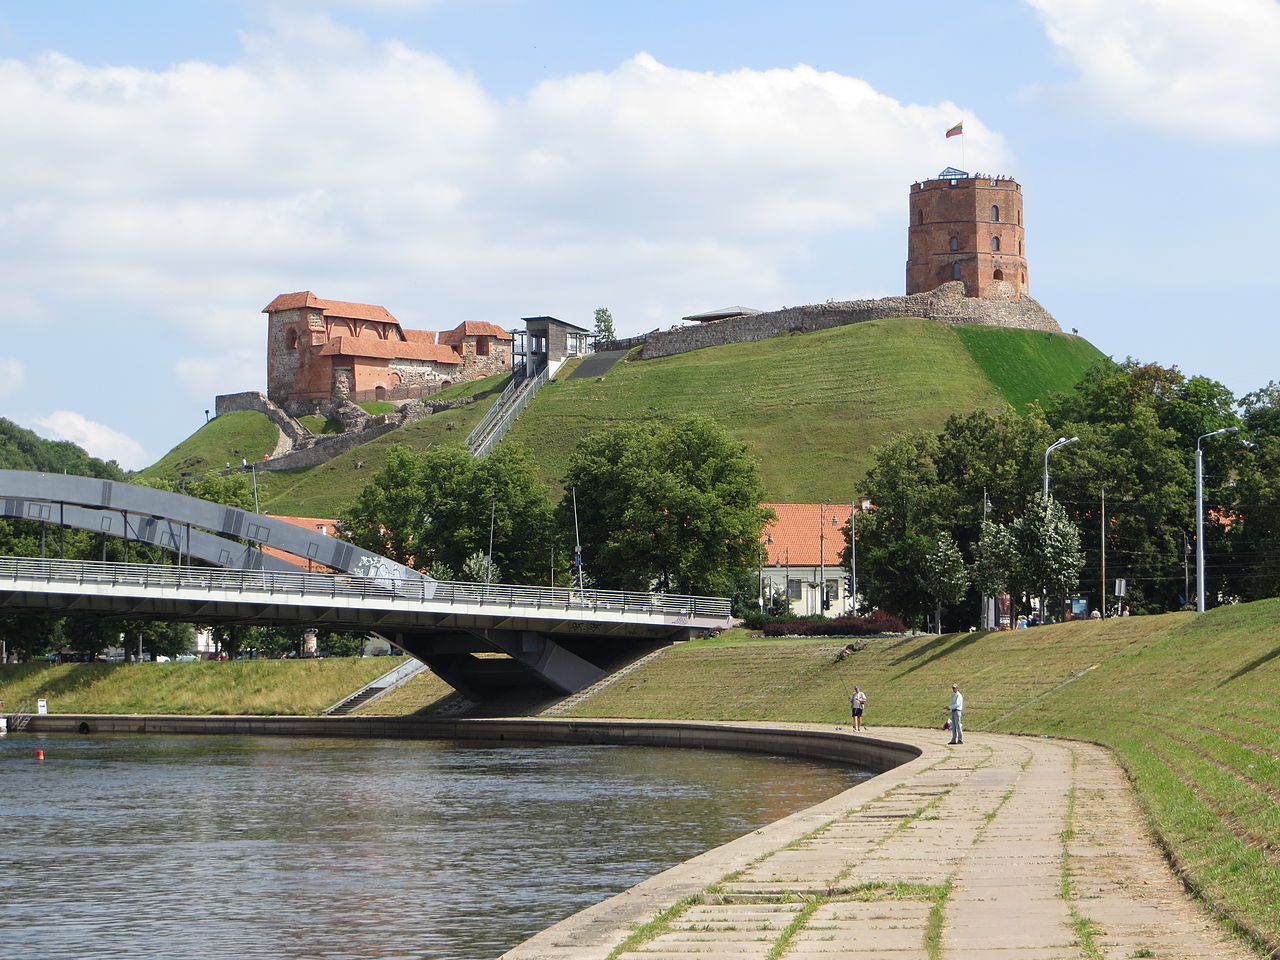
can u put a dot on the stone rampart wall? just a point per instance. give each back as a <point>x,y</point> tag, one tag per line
<point>947,304</point>
<point>296,433</point>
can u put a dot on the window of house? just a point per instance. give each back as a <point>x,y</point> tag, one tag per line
<point>954,244</point>
<point>482,346</point>
<point>795,589</point>
<point>995,213</point>
<point>995,244</point>
<point>955,271</point>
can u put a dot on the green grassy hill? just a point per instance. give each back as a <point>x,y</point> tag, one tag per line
<point>811,408</point>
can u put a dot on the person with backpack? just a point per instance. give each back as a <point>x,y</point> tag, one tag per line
<point>858,703</point>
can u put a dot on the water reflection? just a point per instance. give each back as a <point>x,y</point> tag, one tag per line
<point>248,847</point>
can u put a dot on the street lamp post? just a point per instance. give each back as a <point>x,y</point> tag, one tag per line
<point>577,540</point>
<point>1200,514</point>
<point>853,557</point>
<point>1060,442</point>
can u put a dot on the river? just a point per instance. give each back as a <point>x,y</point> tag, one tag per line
<point>119,848</point>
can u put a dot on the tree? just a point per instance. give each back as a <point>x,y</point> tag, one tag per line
<point>945,575</point>
<point>604,324</point>
<point>672,506</point>
<point>1048,548</point>
<point>434,509</point>
<point>995,560</point>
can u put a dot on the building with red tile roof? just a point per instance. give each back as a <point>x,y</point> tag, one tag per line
<point>323,350</point>
<point>801,553</point>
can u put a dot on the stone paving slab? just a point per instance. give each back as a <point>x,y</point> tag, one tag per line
<point>977,831</point>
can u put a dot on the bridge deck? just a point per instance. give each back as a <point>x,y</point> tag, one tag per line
<point>157,591</point>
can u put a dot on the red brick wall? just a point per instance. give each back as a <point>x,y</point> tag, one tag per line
<point>962,209</point>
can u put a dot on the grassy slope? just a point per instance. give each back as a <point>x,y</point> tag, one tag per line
<point>1187,703</point>
<point>254,687</point>
<point>326,490</point>
<point>810,407</point>
<point>230,438</point>
<point>1027,365</point>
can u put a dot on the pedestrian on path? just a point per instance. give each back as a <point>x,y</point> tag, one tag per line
<point>858,703</point>
<point>956,708</point>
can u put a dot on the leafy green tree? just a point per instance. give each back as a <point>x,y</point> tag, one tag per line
<point>339,643</point>
<point>1050,556</point>
<point>21,449</point>
<point>604,324</point>
<point>995,560</point>
<point>90,636</point>
<point>30,636</point>
<point>436,508</point>
<point>945,576</point>
<point>672,506</point>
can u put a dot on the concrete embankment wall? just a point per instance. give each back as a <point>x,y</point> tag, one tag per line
<point>816,744</point>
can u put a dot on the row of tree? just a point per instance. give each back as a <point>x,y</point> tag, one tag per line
<point>960,511</point>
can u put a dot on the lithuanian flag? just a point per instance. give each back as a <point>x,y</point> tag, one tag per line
<point>956,130</point>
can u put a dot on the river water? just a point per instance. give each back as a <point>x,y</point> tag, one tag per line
<point>240,848</point>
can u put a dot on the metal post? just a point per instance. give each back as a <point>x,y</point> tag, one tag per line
<point>1200,515</point>
<point>1060,442</point>
<point>488,573</point>
<point>853,556</point>
<point>577,539</point>
<point>1102,543</point>
<point>253,471</point>
<point>822,558</point>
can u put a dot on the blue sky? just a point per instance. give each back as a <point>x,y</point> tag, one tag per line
<point>169,168</point>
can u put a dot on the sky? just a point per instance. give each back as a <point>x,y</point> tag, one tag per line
<point>169,168</point>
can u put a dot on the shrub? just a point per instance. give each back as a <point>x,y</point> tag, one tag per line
<point>874,623</point>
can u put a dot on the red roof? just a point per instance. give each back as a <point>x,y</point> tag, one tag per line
<point>388,349</point>
<point>474,328</point>
<point>330,308</point>
<point>793,539</point>
<point>419,336</point>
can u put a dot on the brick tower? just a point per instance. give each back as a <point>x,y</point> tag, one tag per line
<point>967,228</point>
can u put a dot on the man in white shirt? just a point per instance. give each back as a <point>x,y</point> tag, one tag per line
<point>957,710</point>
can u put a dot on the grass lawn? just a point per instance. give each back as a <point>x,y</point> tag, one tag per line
<point>230,438</point>
<point>219,688</point>
<point>811,408</point>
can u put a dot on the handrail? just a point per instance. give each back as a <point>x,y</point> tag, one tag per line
<point>385,590</point>
<point>504,411</point>
<point>492,413</point>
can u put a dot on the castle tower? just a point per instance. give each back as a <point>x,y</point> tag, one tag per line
<point>967,228</point>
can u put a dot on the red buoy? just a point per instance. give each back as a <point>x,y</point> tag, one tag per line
<point>40,755</point>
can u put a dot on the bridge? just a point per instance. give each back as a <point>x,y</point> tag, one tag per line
<point>482,639</point>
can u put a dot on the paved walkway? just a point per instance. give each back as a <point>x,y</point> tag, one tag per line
<point>1003,848</point>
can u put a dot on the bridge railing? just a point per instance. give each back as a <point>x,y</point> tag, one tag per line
<point>305,584</point>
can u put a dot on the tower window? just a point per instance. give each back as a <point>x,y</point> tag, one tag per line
<point>920,217</point>
<point>955,271</point>
<point>482,346</point>
<point>997,275</point>
<point>954,244</point>
<point>995,213</point>
<point>1019,248</point>
<point>995,244</point>
<point>291,340</point>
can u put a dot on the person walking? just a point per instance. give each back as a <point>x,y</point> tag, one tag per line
<point>956,707</point>
<point>858,703</point>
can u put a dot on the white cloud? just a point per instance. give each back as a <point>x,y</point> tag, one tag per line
<point>98,440</point>
<point>1207,70</point>
<point>13,377</point>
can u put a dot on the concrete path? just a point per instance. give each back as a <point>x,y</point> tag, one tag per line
<point>1003,848</point>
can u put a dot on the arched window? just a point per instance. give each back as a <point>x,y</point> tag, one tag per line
<point>955,271</point>
<point>954,244</point>
<point>1019,248</point>
<point>920,217</point>
<point>995,244</point>
<point>998,274</point>
<point>291,340</point>
<point>995,213</point>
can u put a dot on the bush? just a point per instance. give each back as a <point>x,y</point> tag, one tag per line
<point>873,624</point>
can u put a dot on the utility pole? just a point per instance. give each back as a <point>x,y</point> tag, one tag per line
<point>1102,538</point>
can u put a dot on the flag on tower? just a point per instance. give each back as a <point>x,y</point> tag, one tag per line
<point>956,130</point>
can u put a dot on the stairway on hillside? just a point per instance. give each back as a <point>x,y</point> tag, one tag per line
<point>402,674</point>
<point>504,412</point>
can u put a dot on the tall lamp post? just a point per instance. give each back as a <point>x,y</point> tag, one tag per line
<point>853,557</point>
<point>1200,514</point>
<point>1060,442</point>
